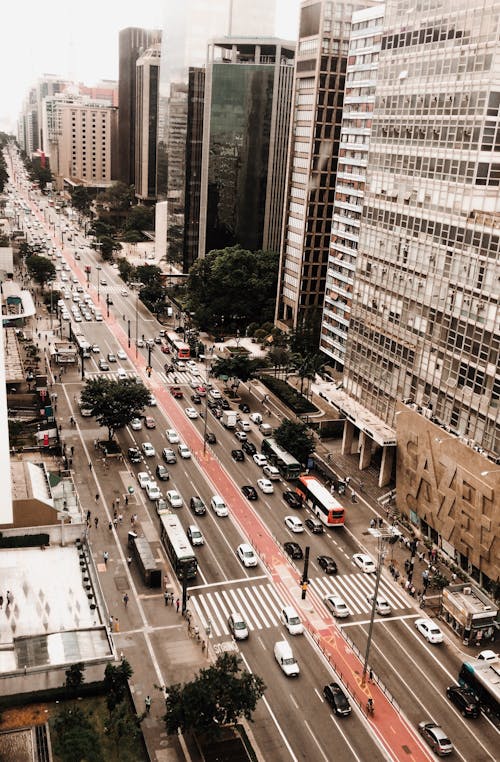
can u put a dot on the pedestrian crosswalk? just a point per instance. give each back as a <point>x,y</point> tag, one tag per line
<point>355,590</point>
<point>177,377</point>
<point>260,604</point>
<point>111,375</point>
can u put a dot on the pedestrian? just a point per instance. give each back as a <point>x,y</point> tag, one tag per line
<point>370,675</point>
<point>120,518</point>
<point>115,522</point>
<point>10,598</point>
<point>72,450</point>
<point>115,513</point>
<point>89,514</point>
<point>111,623</point>
<point>177,604</point>
<point>117,501</point>
<point>380,522</point>
<point>90,466</point>
<point>105,556</point>
<point>97,497</point>
<point>96,521</point>
<point>126,499</point>
<point>110,526</point>
<point>372,523</point>
<point>1,602</point>
<point>332,489</point>
<point>129,560</point>
<point>125,600</point>
<point>147,701</point>
<point>166,596</point>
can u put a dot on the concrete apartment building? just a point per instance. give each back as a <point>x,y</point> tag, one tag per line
<point>246,123</point>
<point>320,69</point>
<point>361,76</point>
<point>132,43</point>
<point>146,122</point>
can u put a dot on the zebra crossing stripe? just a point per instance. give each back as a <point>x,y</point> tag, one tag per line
<point>257,611</point>
<point>243,605</point>
<point>275,602</point>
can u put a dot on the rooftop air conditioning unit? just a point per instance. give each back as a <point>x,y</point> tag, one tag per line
<point>467,591</point>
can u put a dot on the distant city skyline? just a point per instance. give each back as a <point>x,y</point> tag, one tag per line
<point>65,39</point>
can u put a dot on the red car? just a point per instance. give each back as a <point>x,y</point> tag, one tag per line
<point>165,349</point>
<point>176,392</point>
<point>149,422</point>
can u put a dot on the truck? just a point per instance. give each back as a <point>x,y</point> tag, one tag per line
<point>229,419</point>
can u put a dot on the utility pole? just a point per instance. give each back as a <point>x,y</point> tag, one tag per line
<point>382,550</point>
<point>305,579</point>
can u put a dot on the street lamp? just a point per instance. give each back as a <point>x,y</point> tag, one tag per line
<point>98,268</point>
<point>205,422</point>
<point>382,551</point>
<point>137,286</point>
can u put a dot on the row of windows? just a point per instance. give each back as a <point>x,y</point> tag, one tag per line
<point>454,135</point>
<point>424,166</point>
<point>463,103</point>
<point>421,37</point>
<point>434,66</point>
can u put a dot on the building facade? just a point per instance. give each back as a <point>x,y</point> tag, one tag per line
<point>359,99</point>
<point>146,123</point>
<point>132,43</point>
<point>187,30</point>
<point>321,64</point>
<point>245,139</point>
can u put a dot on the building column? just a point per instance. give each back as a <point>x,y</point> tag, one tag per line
<point>385,472</point>
<point>347,438</point>
<point>365,450</point>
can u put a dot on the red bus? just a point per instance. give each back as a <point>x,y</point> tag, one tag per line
<point>180,349</point>
<point>323,503</point>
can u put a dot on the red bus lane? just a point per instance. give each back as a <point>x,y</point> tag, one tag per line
<point>392,729</point>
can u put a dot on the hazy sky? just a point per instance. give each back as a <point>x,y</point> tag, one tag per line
<point>77,39</point>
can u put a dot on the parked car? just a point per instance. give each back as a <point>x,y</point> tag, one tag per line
<point>435,736</point>
<point>337,699</point>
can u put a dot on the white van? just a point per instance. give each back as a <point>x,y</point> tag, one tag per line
<point>284,656</point>
<point>266,429</point>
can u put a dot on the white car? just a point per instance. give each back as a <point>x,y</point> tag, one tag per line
<point>152,401</point>
<point>256,418</point>
<point>191,412</point>
<point>487,655</point>
<point>215,394</point>
<point>266,486</point>
<point>153,491</point>
<point>121,354</point>
<point>136,424</point>
<point>259,459</point>
<point>148,450</point>
<point>194,535</point>
<point>192,365</point>
<point>174,498</point>
<point>365,563</point>
<point>429,630</point>
<point>124,292</point>
<point>218,506</point>
<point>246,554</point>
<point>294,524</point>
<point>184,451</point>
<point>382,606</point>
<point>95,349</point>
<point>121,374</point>
<point>237,626</point>
<point>337,606</point>
<point>172,436</point>
<point>143,478</point>
<point>271,472</point>
<point>291,620</point>
<point>241,436</point>
<point>285,658</point>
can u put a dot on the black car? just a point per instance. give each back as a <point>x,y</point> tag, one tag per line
<point>249,492</point>
<point>337,699</point>
<point>210,437</point>
<point>197,506</point>
<point>293,500</point>
<point>212,404</point>
<point>464,699</point>
<point>134,455</point>
<point>224,404</point>
<point>294,550</point>
<point>244,407</point>
<point>314,525</point>
<point>238,455</point>
<point>162,473</point>
<point>327,564</point>
<point>196,399</point>
<point>179,329</point>
<point>249,448</point>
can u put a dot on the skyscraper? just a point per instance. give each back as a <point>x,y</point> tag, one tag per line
<point>146,123</point>
<point>361,76</point>
<point>133,42</point>
<point>312,163</point>
<point>187,30</point>
<point>246,130</point>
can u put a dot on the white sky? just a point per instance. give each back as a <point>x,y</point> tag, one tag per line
<point>78,39</point>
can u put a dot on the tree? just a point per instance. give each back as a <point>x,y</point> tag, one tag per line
<point>81,199</point>
<point>41,269</point>
<point>75,738</point>
<point>278,357</point>
<point>153,296</point>
<point>117,198</point>
<point>148,274</point>
<point>115,682</point>
<point>308,366</point>
<point>218,696</point>
<point>296,439</point>
<point>123,729</point>
<point>237,366</point>
<point>107,247</point>
<point>230,288</point>
<point>74,676</point>
<point>175,243</point>
<point>126,269</point>
<point>140,218</point>
<point>114,403</point>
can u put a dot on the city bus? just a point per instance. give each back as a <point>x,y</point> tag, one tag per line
<point>483,679</point>
<point>323,503</point>
<point>83,344</point>
<point>177,546</point>
<point>287,465</point>
<point>180,350</point>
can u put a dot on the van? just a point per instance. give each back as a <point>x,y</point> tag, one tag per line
<point>266,429</point>
<point>284,656</point>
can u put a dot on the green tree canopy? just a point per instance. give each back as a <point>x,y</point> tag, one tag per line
<point>114,403</point>
<point>74,676</point>
<point>218,696</point>
<point>237,366</point>
<point>295,437</point>
<point>107,247</point>
<point>126,269</point>
<point>115,682</point>
<point>81,199</point>
<point>148,274</point>
<point>230,288</point>
<point>117,198</point>
<point>140,218</point>
<point>153,296</point>
<point>75,738</point>
<point>41,269</point>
